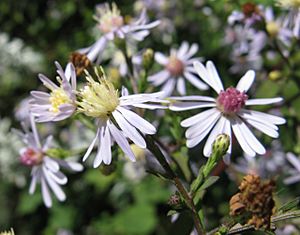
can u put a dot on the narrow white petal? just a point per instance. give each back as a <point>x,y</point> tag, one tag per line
<point>190,105</point>
<point>246,81</point>
<point>161,58</point>
<point>263,128</point>
<point>250,138</point>
<point>181,86</point>
<point>195,81</point>
<point>129,130</point>
<point>183,49</point>
<point>96,49</point>
<point>292,179</point>
<point>293,160</point>
<point>214,76</point>
<point>45,193</point>
<point>70,165</point>
<point>106,142</point>
<point>218,129</point>
<point>227,130</point>
<point>198,117</point>
<point>34,180</point>
<point>263,101</point>
<point>58,177</point>
<point>241,139</point>
<point>193,98</point>
<point>47,82</point>
<point>267,117</point>
<point>169,86</point>
<point>202,125</point>
<point>192,51</point>
<point>159,78</point>
<point>137,121</point>
<point>88,152</point>
<point>121,141</point>
<point>51,164</point>
<point>99,156</point>
<point>202,72</point>
<point>56,189</point>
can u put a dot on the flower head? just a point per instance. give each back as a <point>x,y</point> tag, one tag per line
<point>226,113</point>
<point>115,121</point>
<point>178,67</point>
<point>59,104</point>
<point>11,232</point>
<point>45,169</point>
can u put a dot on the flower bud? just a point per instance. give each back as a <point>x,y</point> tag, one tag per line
<point>221,144</point>
<point>148,59</point>
<point>275,75</point>
<point>175,202</point>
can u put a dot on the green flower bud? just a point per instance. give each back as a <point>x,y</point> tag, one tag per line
<point>148,59</point>
<point>221,144</point>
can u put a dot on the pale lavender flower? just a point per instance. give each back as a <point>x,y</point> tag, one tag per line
<point>294,173</point>
<point>111,25</point>
<point>45,169</point>
<point>59,104</point>
<point>226,112</point>
<point>178,67</point>
<point>115,121</point>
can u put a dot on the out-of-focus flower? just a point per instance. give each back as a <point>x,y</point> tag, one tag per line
<point>247,44</point>
<point>115,121</point>
<point>226,112</point>
<point>11,232</point>
<point>289,3</point>
<point>111,24</point>
<point>294,173</point>
<point>45,170</point>
<point>60,103</point>
<point>177,67</point>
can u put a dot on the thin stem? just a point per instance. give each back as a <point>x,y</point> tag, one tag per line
<point>151,145</point>
<point>130,71</point>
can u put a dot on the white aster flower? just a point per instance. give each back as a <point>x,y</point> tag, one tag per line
<point>115,120</point>
<point>294,173</point>
<point>227,112</point>
<point>10,232</point>
<point>111,25</point>
<point>60,103</point>
<point>45,170</point>
<point>177,67</point>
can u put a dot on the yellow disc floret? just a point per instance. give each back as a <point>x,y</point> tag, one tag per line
<point>57,98</point>
<point>272,28</point>
<point>99,98</point>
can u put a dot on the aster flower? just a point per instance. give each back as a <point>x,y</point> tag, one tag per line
<point>294,173</point>
<point>177,67</point>
<point>60,103</point>
<point>111,24</point>
<point>226,112</point>
<point>115,121</point>
<point>45,169</point>
<point>11,232</point>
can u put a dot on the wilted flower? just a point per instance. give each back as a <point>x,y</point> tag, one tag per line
<point>60,103</point>
<point>226,112</point>
<point>112,25</point>
<point>100,100</point>
<point>45,169</point>
<point>177,67</point>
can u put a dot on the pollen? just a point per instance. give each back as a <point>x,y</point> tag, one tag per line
<point>109,18</point>
<point>57,98</point>
<point>231,101</point>
<point>98,98</point>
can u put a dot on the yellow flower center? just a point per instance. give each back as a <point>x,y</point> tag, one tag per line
<point>109,18</point>
<point>57,98</point>
<point>99,99</point>
<point>289,3</point>
<point>272,28</point>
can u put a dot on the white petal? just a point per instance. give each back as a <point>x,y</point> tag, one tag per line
<point>169,86</point>
<point>106,142</point>
<point>214,76</point>
<point>218,129</point>
<point>129,130</point>
<point>56,189</point>
<point>227,130</point>
<point>45,193</point>
<point>193,98</point>
<point>264,128</point>
<point>195,81</point>
<point>33,182</point>
<point>58,177</point>
<point>96,49</point>
<point>70,165</point>
<point>202,125</point>
<point>99,156</point>
<point>121,141</point>
<point>161,58</point>
<point>250,138</point>
<point>198,117</point>
<point>241,139</point>
<point>181,86</point>
<point>51,164</point>
<point>88,152</point>
<point>190,105</point>
<point>263,101</point>
<point>293,160</point>
<point>138,122</point>
<point>159,78</point>
<point>193,50</point>
<point>267,117</point>
<point>246,81</point>
<point>182,49</point>
<point>292,179</point>
<point>47,82</point>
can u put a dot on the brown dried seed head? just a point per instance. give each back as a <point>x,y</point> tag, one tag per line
<point>80,62</point>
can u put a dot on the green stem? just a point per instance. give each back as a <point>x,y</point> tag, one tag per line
<point>151,145</point>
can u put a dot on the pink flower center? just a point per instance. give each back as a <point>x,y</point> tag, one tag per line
<point>231,100</point>
<point>175,66</point>
<point>30,157</point>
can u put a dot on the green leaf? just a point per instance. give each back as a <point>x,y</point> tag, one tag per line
<point>291,205</point>
<point>182,160</point>
<point>209,182</point>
